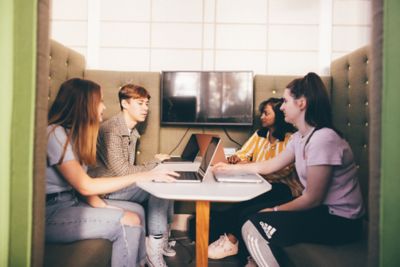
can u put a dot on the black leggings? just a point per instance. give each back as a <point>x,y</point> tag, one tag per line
<point>265,233</point>
<point>231,220</point>
<point>315,225</point>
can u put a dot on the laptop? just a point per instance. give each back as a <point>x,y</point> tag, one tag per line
<point>237,177</point>
<point>197,176</point>
<point>189,152</point>
<point>203,140</point>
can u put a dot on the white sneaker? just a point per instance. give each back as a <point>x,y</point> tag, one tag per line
<point>251,262</point>
<point>168,247</point>
<point>222,248</point>
<point>154,250</point>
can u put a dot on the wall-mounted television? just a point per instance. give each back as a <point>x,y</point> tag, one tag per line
<point>207,98</point>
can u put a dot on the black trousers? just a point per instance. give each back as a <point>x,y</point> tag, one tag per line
<point>317,225</point>
<point>231,220</point>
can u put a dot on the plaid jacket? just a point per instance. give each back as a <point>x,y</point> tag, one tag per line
<point>116,150</point>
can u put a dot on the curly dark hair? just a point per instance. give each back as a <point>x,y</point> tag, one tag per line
<point>281,126</point>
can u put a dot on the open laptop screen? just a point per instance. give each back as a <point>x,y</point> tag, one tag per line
<point>209,154</point>
<point>191,149</point>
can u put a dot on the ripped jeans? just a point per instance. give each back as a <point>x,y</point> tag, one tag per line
<point>68,219</point>
<point>159,211</point>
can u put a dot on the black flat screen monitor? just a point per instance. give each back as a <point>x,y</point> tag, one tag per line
<point>207,98</point>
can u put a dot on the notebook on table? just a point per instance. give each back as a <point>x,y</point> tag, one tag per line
<point>197,176</point>
<point>189,152</point>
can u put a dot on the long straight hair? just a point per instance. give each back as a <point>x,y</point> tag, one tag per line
<point>318,112</point>
<point>76,110</point>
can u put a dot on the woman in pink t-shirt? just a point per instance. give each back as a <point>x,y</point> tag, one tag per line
<point>330,208</point>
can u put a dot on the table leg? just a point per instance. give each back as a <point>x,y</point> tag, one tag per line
<point>202,231</point>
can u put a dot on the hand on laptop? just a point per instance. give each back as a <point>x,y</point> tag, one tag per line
<point>162,157</point>
<point>233,159</point>
<point>225,168</point>
<point>159,175</point>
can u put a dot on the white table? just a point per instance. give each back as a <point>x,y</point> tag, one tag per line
<point>203,193</point>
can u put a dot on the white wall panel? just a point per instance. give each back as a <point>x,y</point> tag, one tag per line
<point>294,11</point>
<point>125,10</point>
<point>177,10</point>
<point>240,60</point>
<point>283,37</point>
<point>69,9</point>
<point>352,12</point>
<point>124,59</point>
<point>208,60</point>
<point>292,63</point>
<point>236,36</point>
<point>70,33</point>
<point>175,59</point>
<point>174,35</point>
<point>124,34</point>
<point>347,38</point>
<point>209,10</point>
<point>241,11</point>
<point>266,36</point>
<point>208,36</point>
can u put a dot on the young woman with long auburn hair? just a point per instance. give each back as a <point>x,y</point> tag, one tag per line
<point>73,124</point>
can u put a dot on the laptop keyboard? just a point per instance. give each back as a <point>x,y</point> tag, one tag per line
<point>188,176</point>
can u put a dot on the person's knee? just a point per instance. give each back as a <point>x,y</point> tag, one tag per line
<point>246,228</point>
<point>130,219</point>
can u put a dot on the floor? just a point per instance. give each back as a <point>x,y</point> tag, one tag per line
<point>185,256</point>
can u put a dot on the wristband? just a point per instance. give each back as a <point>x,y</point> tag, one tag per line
<point>275,208</point>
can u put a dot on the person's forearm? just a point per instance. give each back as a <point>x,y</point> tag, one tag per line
<point>303,202</point>
<point>105,185</point>
<point>121,167</point>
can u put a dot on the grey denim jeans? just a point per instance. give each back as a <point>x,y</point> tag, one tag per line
<point>68,219</point>
<point>159,211</point>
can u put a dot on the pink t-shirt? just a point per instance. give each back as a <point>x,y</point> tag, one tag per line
<point>326,147</point>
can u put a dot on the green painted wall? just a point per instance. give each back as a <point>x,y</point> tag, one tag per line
<point>17,98</point>
<point>390,172</point>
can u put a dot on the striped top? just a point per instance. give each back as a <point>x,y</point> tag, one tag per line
<point>259,148</point>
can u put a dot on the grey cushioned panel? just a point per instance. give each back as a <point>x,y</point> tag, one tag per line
<point>86,253</point>
<point>350,104</point>
<point>64,64</point>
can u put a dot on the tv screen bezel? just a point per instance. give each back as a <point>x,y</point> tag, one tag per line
<point>233,124</point>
